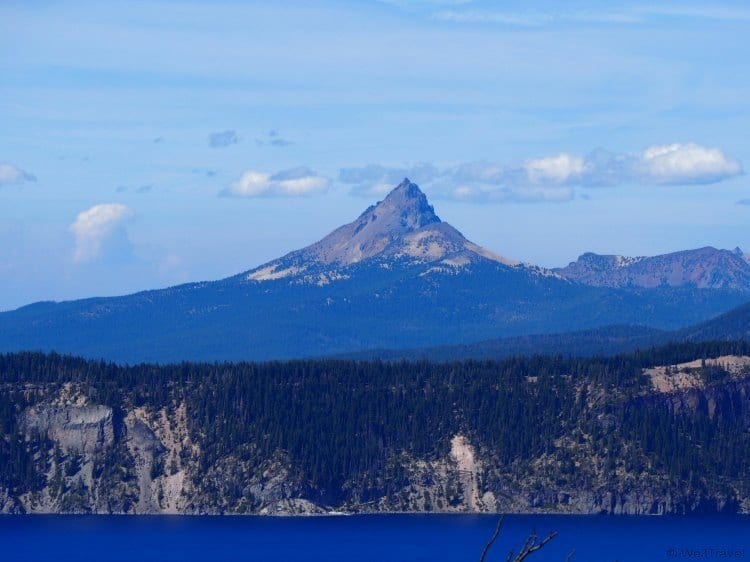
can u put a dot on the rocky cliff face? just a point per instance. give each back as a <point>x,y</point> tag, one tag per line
<point>151,466</point>
<point>80,429</point>
<point>76,444</point>
<point>148,462</point>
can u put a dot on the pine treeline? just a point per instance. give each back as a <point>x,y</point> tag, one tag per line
<point>345,421</point>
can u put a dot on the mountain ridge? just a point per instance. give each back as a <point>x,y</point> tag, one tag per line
<point>733,325</point>
<point>704,268</point>
<point>396,277</point>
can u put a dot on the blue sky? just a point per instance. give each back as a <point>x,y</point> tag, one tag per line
<point>144,144</point>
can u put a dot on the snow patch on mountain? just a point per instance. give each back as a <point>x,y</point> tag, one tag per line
<point>471,247</point>
<point>272,272</point>
<point>627,261</point>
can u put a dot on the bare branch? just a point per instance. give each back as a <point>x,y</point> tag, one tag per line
<point>531,546</point>
<point>493,538</point>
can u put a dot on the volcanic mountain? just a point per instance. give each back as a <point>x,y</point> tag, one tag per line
<point>396,277</point>
<point>403,229</point>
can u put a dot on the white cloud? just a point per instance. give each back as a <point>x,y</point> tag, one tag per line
<point>552,178</point>
<point>295,182</point>
<point>12,175</point>
<point>301,186</point>
<point>687,164</point>
<point>96,227</point>
<point>251,184</point>
<point>554,169</point>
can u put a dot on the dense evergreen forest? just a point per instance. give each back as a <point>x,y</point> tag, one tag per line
<point>348,433</point>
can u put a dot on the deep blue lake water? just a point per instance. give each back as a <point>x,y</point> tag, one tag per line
<point>430,538</point>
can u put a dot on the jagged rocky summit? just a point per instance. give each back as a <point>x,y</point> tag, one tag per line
<point>402,228</point>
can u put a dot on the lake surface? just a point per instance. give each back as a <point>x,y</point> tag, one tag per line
<point>367,538</point>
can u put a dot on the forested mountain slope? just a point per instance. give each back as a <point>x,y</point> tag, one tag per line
<point>644,433</point>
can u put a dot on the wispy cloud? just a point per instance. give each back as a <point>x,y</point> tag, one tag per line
<point>553,178</point>
<point>517,194</point>
<point>223,139</point>
<point>375,180</point>
<point>707,12</point>
<point>294,182</point>
<point>98,229</point>
<point>12,175</point>
<point>476,182</point>
<point>535,19</point>
<point>208,172</point>
<point>625,15</point>
<point>273,138</point>
<point>424,3</point>
<point>141,190</point>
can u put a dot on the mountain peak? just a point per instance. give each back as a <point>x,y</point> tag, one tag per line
<point>403,226</point>
<point>405,208</point>
<point>407,189</point>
